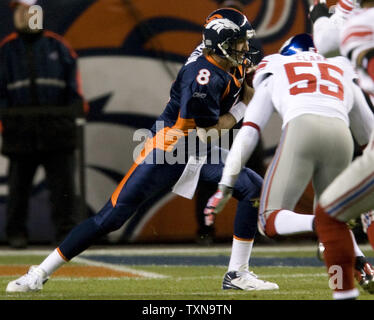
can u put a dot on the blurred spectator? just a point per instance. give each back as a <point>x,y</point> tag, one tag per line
<point>39,92</point>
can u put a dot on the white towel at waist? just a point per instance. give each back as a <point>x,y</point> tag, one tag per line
<point>187,183</point>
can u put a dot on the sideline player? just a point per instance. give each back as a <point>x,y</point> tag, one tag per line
<point>204,96</point>
<point>352,192</point>
<point>318,101</point>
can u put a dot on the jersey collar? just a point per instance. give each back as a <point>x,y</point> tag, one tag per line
<point>212,61</point>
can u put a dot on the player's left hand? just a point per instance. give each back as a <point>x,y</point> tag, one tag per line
<point>216,203</point>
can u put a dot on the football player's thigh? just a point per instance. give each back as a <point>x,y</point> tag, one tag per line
<point>289,172</point>
<point>248,183</point>
<point>335,155</point>
<point>352,192</point>
<point>212,170</point>
<point>146,179</point>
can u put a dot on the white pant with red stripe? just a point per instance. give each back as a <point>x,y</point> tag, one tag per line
<point>352,192</point>
<point>312,147</point>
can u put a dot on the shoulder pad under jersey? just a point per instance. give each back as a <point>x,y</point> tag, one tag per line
<point>266,67</point>
<point>346,65</point>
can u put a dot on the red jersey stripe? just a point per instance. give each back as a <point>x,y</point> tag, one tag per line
<point>357,34</point>
<point>251,124</point>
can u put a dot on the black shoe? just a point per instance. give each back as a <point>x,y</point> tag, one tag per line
<point>364,274</point>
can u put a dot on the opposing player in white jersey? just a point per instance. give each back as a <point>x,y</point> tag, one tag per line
<point>327,23</point>
<point>352,192</point>
<point>356,43</point>
<point>318,102</point>
<point>327,26</point>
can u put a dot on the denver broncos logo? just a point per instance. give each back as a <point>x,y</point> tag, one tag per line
<point>220,24</point>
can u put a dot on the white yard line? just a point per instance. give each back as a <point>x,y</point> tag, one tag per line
<point>140,273</point>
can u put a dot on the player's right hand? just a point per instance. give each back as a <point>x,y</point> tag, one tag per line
<point>216,203</point>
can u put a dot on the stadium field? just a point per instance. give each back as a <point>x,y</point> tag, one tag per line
<point>172,272</point>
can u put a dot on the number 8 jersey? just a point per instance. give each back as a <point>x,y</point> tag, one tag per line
<point>308,83</point>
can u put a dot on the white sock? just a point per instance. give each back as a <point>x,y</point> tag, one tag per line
<point>358,252</point>
<point>240,254</point>
<point>52,262</point>
<point>348,294</point>
<point>288,222</point>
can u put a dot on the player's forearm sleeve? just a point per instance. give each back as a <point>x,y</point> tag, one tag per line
<point>361,117</point>
<point>242,148</point>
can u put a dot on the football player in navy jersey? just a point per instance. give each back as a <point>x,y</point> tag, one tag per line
<point>208,97</point>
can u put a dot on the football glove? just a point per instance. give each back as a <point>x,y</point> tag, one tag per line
<point>216,203</point>
<point>319,9</point>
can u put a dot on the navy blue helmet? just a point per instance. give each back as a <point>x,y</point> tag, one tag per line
<point>223,27</point>
<point>298,43</point>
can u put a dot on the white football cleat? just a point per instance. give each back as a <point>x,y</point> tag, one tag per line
<point>33,280</point>
<point>246,280</point>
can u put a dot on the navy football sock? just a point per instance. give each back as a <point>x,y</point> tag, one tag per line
<point>245,224</point>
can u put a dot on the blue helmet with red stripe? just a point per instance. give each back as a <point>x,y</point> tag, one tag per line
<point>298,43</point>
<point>223,27</point>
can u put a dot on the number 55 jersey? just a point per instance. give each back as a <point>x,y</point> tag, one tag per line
<point>321,107</point>
<point>308,83</point>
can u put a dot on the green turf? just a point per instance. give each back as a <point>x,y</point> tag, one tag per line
<point>181,283</point>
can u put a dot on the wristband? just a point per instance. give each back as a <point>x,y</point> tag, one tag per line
<point>238,111</point>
